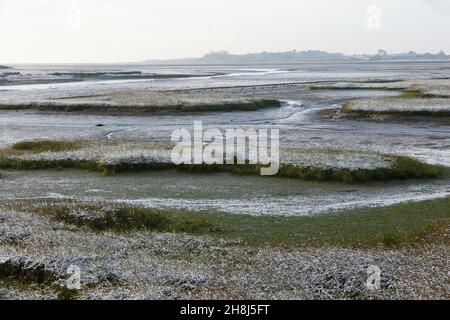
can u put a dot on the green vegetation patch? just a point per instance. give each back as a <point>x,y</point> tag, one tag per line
<point>28,273</point>
<point>403,168</point>
<point>123,218</point>
<point>392,226</point>
<point>22,274</point>
<point>38,146</point>
<point>239,106</point>
<point>398,114</point>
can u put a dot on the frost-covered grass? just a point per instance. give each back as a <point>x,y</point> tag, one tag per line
<point>21,273</point>
<point>149,102</point>
<point>328,158</point>
<point>308,164</point>
<point>394,225</point>
<point>100,156</point>
<point>434,87</point>
<point>400,168</point>
<point>409,242</point>
<point>422,87</point>
<point>422,106</point>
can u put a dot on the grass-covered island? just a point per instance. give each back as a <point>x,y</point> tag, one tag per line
<point>112,157</point>
<point>147,102</point>
<point>433,107</point>
<point>420,99</point>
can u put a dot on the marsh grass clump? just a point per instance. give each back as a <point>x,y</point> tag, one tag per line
<point>405,168</point>
<point>59,164</point>
<point>250,106</point>
<point>38,146</point>
<point>99,218</point>
<point>65,293</point>
<point>23,273</point>
<point>412,93</point>
<point>233,106</point>
<point>123,218</point>
<point>26,272</point>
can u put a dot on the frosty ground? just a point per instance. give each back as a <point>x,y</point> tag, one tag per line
<point>241,236</point>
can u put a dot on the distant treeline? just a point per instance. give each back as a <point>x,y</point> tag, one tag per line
<point>309,55</point>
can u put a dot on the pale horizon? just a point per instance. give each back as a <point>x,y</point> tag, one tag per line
<point>117,31</point>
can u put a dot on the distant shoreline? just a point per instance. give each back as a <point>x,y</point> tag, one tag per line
<point>212,64</point>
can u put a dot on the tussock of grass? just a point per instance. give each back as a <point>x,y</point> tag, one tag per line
<point>20,273</point>
<point>27,273</point>
<point>241,106</point>
<point>411,168</point>
<point>123,218</point>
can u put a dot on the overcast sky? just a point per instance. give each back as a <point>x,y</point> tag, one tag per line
<point>134,30</point>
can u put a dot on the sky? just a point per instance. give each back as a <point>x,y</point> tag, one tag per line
<point>89,31</point>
